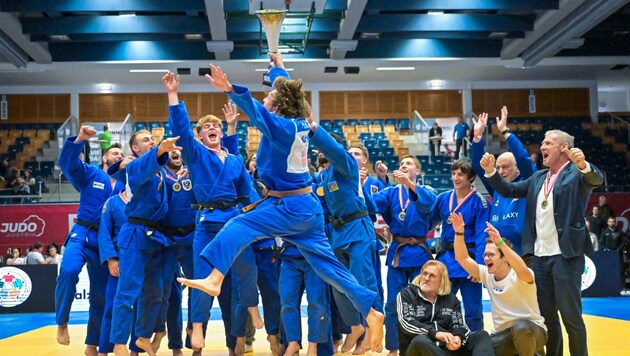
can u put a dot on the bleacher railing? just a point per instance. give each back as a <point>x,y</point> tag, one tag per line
<point>69,128</point>
<point>420,129</point>
<point>126,131</point>
<point>614,118</point>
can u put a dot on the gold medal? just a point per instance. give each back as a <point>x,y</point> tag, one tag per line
<point>319,191</point>
<point>544,204</point>
<point>401,216</point>
<point>177,187</point>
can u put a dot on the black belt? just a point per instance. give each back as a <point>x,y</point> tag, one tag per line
<point>155,225</point>
<point>182,231</point>
<point>89,225</point>
<point>337,223</point>
<point>445,246</point>
<point>219,204</point>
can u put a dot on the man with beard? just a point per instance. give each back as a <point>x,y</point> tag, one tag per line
<point>95,187</point>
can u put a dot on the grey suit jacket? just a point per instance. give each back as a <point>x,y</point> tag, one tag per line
<point>570,197</point>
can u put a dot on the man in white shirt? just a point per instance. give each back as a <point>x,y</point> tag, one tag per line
<point>518,326</point>
<point>35,257</point>
<point>555,232</point>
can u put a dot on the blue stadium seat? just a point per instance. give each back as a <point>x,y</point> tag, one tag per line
<point>140,126</point>
<point>404,124</point>
<point>32,165</point>
<point>377,122</point>
<point>374,153</point>
<point>379,135</point>
<point>242,125</point>
<point>369,143</point>
<point>365,136</point>
<point>365,122</point>
<point>388,152</point>
<point>391,121</point>
<point>326,124</point>
<point>154,125</point>
<point>46,168</point>
<point>352,122</point>
<point>383,144</point>
<point>338,123</point>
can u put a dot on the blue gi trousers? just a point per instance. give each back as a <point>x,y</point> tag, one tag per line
<point>299,220</point>
<point>104,346</point>
<point>77,254</point>
<point>296,275</point>
<point>471,298</point>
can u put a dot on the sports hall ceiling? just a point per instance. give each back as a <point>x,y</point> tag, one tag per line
<point>44,37</point>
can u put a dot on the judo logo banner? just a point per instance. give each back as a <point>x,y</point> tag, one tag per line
<point>15,287</point>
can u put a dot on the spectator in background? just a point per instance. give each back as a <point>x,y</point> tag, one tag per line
<point>605,210</point>
<point>29,179</point>
<point>449,154</point>
<point>21,188</point>
<point>460,132</point>
<point>434,145</point>
<point>597,223</point>
<point>4,168</point>
<point>594,238</point>
<point>53,256</point>
<point>11,176</point>
<point>105,139</point>
<point>535,157</point>
<point>14,258</point>
<point>611,238</point>
<point>35,257</point>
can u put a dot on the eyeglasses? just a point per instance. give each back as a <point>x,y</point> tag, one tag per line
<point>488,255</point>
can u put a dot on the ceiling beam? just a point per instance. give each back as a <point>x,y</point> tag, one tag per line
<point>218,27</point>
<point>571,27</point>
<point>102,6</point>
<point>11,26</point>
<point>543,24</point>
<point>347,28</point>
<point>455,5</point>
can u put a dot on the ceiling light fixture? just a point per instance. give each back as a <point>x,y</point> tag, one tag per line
<point>127,13</point>
<point>193,36</point>
<point>435,13</point>
<point>395,68</point>
<point>104,87</point>
<point>436,83</point>
<point>148,71</point>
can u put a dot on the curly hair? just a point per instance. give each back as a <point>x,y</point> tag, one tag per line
<point>290,98</point>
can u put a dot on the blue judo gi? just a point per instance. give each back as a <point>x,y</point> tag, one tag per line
<point>508,214</point>
<point>353,237</point>
<point>215,182</point>
<point>296,276</point>
<point>409,256</point>
<point>181,218</point>
<point>112,219</point>
<point>82,243</point>
<point>144,250</point>
<point>476,211</point>
<point>282,163</point>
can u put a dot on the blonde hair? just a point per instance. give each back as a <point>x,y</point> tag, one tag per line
<point>414,159</point>
<point>562,137</point>
<point>445,283</point>
<point>208,119</point>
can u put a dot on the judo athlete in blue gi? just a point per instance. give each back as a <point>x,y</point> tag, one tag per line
<point>508,214</point>
<point>406,208</point>
<point>221,182</point>
<point>291,210</point>
<point>475,209</point>
<point>180,218</point>
<point>267,282</point>
<point>296,276</point>
<point>81,244</point>
<point>352,238</point>
<point>144,244</point>
<point>112,219</point>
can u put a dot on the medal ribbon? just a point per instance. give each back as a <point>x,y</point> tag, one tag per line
<point>450,203</point>
<point>403,207</point>
<point>170,175</point>
<point>548,186</point>
<point>123,197</point>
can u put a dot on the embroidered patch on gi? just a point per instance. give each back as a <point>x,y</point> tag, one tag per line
<point>187,184</point>
<point>373,189</point>
<point>333,186</point>
<point>98,185</point>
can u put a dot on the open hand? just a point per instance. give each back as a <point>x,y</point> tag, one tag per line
<point>502,121</point>
<point>479,126</point>
<point>219,79</point>
<point>171,82</point>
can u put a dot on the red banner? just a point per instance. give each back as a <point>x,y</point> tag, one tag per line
<point>620,204</point>
<point>23,225</point>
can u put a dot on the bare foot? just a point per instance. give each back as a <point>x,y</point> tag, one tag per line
<point>231,352</point>
<point>274,344</point>
<point>145,344</point>
<point>178,352</point>
<point>121,350</point>
<point>210,284</point>
<point>375,322</point>
<point>90,350</point>
<point>292,349</point>
<point>336,345</point>
<point>196,353</point>
<point>312,349</point>
<point>239,348</point>
<point>62,334</point>
<point>256,318</point>
<point>157,340</point>
<point>197,341</point>
<point>392,353</point>
<point>363,346</point>
<point>351,339</point>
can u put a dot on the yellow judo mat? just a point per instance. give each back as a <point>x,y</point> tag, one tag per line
<point>606,337</point>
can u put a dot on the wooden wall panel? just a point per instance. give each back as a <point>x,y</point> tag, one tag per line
<point>562,102</point>
<point>385,104</point>
<point>37,108</point>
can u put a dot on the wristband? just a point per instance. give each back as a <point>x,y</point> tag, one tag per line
<point>459,234</point>
<point>478,137</point>
<point>505,131</point>
<point>500,243</point>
